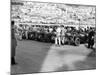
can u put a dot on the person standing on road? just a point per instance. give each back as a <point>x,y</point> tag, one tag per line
<point>91,38</point>
<point>26,31</point>
<point>63,35</point>
<point>13,44</point>
<point>58,36</point>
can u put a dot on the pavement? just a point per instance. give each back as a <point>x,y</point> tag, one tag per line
<point>37,57</point>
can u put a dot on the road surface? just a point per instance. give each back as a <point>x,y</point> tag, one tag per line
<point>35,57</point>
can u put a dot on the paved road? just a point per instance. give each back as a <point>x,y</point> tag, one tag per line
<point>33,57</point>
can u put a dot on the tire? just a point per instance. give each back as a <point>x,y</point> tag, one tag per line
<point>52,38</point>
<point>40,37</point>
<point>66,40</point>
<point>30,36</point>
<point>69,40</point>
<point>77,42</point>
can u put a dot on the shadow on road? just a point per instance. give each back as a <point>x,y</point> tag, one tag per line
<point>30,56</point>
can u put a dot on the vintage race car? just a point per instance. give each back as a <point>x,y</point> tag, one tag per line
<point>75,38</point>
<point>41,36</point>
<point>72,37</point>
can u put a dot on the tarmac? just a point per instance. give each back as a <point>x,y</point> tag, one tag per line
<point>38,57</point>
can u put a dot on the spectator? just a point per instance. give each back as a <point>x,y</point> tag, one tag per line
<point>63,35</point>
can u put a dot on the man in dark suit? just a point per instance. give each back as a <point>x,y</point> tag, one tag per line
<point>91,38</point>
<point>13,44</point>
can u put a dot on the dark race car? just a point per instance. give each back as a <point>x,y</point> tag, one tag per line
<point>75,38</point>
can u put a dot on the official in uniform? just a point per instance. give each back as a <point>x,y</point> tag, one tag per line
<point>58,36</point>
<point>13,44</point>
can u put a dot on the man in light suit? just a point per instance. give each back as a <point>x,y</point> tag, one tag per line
<point>63,34</point>
<point>58,36</point>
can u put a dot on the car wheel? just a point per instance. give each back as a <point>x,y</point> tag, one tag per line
<point>77,42</point>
